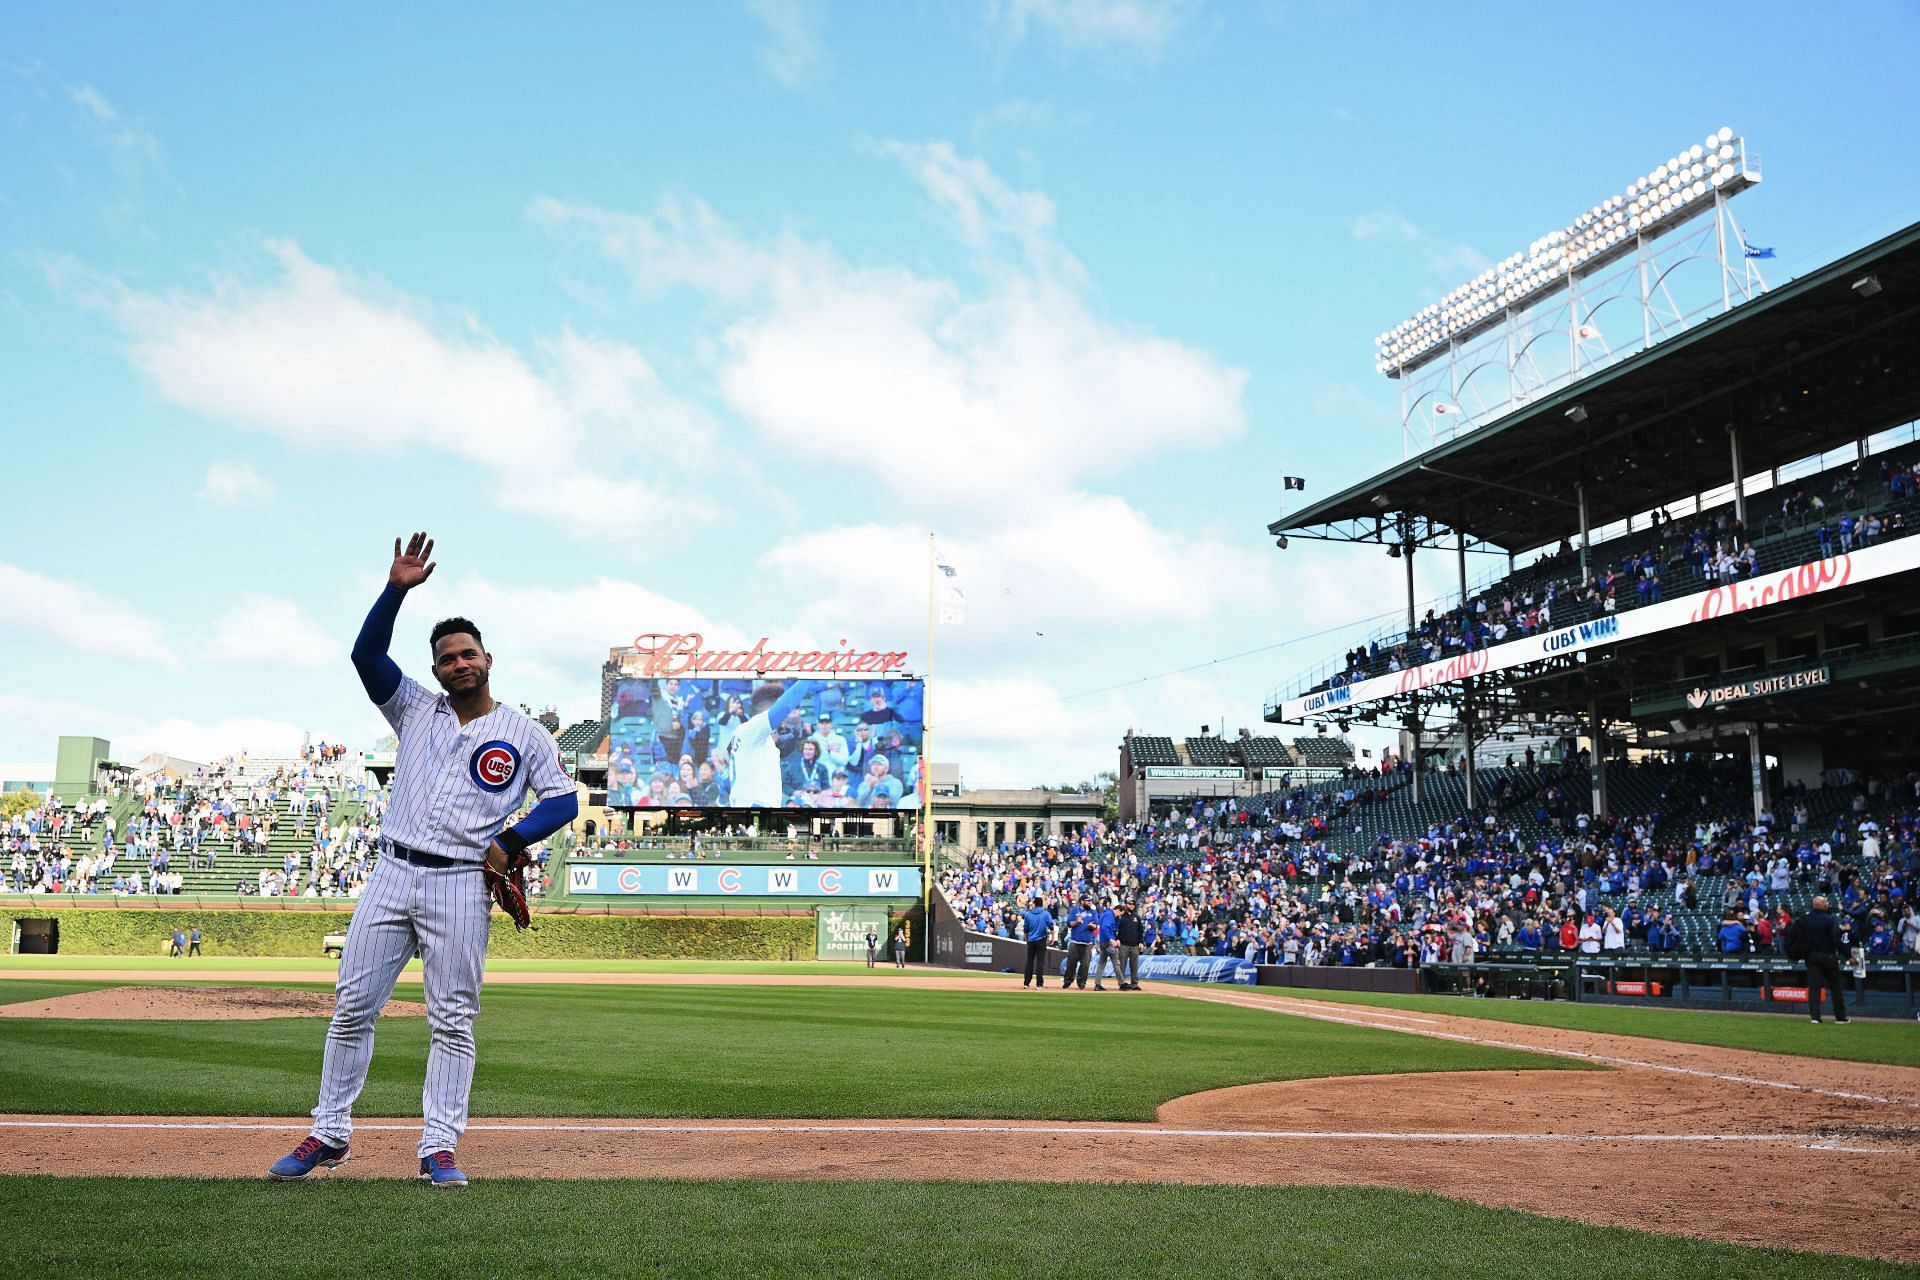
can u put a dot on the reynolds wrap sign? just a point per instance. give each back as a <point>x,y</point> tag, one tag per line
<point>1814,578</point>
<point>1199,968</point>
<point>710,880</point>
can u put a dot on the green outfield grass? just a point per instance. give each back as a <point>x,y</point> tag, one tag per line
<point>1887,1040</point>
<point>166,1228</point>
<point>162,967</point>
<point>881,1051</point>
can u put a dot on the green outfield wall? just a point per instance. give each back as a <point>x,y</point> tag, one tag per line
<point>237,932</point>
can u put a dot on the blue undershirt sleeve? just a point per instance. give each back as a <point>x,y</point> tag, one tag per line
<point>542,821</point>
<point>379,674</point>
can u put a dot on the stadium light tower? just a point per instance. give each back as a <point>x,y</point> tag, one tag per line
<point>1609,284</point>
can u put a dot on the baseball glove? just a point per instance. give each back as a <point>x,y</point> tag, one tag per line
<point>509,888</point>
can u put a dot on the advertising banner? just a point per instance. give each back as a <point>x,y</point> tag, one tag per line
<point>1199,969</point>
<point>1705,697</point>
<point>1212,773</point>
<point>722,742</point>
<point>706,880</point>
<point>1813,578</point>
<point>841,932</point>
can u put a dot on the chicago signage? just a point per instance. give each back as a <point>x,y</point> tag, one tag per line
<point>1812,578</point>
<point>1702,699</point>
<point>661,654</point>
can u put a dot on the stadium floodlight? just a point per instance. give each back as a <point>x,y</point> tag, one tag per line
<point>1867,285</point>
<point>1578,413</point>
<point>1670,193</point>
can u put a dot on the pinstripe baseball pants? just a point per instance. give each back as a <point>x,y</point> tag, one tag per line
<point>443,913</point>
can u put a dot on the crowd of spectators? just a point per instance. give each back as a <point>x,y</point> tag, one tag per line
<point>1672,555</point>
<point>1260,879</point>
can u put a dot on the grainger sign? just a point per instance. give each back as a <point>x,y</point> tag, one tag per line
<point>1812,578</point>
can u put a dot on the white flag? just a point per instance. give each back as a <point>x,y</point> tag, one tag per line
<point>952,601</point>
<point>1587,332</point>
<point>1444,407</point>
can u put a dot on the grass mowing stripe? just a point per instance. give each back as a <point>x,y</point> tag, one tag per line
<point>97,1226</point>
<point>1881,1040</point>
<point>790,1052</point>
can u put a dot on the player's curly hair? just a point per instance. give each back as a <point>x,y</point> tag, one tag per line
<point>453,627</point>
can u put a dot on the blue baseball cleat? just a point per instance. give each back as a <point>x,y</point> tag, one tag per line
<point>440,1170</point>
<point>305,1158</point>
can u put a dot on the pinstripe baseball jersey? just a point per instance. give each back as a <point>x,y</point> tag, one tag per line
<point>454,785</point>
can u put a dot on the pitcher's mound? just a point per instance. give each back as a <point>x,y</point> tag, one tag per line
<point>194,1004</point>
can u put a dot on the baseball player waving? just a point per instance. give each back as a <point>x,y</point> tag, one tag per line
<point>464,765</point>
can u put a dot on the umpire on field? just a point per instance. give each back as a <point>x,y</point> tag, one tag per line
<point>1823,969</point>
<point>1039,922</point>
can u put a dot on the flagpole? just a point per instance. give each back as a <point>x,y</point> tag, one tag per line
<point>926,767</point>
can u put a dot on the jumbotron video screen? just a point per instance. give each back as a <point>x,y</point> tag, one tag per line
<point>717,743</point>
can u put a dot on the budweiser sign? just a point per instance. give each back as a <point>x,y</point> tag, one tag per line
<point>659,654</point>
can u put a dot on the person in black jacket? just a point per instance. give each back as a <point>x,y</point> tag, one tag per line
<point>1129,933</point>
<point>1823,970</point>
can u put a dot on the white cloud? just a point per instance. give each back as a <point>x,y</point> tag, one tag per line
<point>1143,30</point>
<point>791,53</point>
<point>236,484</point>
<point>133,735</point>
<point>1448,258</point>
<point>1072,566</point>
<point>78,617</point>
<point>272,633</point>
<point>930,379</point>
<point>131,144</point>
<point>327,362</point>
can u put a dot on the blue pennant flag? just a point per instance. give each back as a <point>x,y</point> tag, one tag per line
<point>1754,252</point>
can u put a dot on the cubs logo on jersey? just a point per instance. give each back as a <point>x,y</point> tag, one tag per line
<point>493,765</point>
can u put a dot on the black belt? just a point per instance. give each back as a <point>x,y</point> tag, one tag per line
<point>420,858</point>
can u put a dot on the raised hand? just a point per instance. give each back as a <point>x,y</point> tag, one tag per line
<point>412,566</point>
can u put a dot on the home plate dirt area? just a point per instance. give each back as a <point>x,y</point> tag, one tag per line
<point>1686,1139</point>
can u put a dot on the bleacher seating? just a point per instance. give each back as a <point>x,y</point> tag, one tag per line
<point>1364,833</point>
<point>1323,752</point>
<point>1265,753</point>
<point>582,735</point>
<point>1784,527</point>
<point>1208,751</point>
<point>1151,752</point>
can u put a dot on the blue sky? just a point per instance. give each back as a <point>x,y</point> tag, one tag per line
<point>702,316</point>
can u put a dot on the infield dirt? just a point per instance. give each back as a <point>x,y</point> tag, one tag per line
<point>1751,1148</point>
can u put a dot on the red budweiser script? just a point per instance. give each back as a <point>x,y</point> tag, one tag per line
<point>682,654</point>
<point>1757,593</point>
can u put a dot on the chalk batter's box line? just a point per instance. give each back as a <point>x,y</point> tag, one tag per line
<point>1077,1131</point>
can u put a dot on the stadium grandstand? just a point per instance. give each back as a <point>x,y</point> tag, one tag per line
<point>1716,544</point>
<point>1679,708</point>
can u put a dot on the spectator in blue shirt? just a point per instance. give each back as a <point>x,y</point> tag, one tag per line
<point>1529,936</point>
<point>1733,935</point>
<point>1039,922</point>
<point>1103,947</point>
<point>1083,930</point>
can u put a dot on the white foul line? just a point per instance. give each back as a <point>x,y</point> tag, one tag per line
<point>1076,1131</point>
<point>1360,1021</point>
